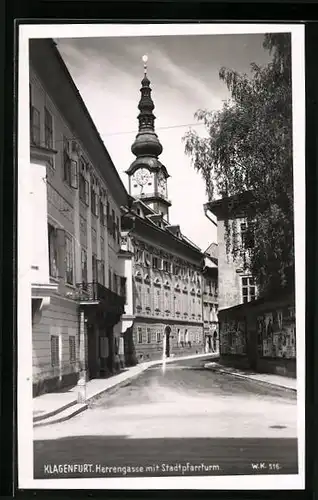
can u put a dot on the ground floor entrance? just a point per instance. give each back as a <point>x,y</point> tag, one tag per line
<point>101,347</point>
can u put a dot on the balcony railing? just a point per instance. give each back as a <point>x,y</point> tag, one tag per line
<point>153,195</point>
<point>96,292</point>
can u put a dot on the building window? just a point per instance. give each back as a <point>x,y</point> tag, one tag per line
<point>94,268</point>
<point>155,262</point>
<point>102,212</point>
<point>48,129</point>
<point>72,348</point>
<point>118,231</point>
<point>148,336</point>
<point>94,201</point>
<point>139,255</point>
<point>147,259</point>
<point>158,337</point>
<point>157,300</point>
<point>55,348</point>
<point>53,251</point>
<point>139,335</point>
<point>35,126</point>
<point>69,260</point>
<point>176,270</point>
<point>84,265</point>
<point>70,166</point>
<point>248,289</point>
<point>102,272</point>
<point>113,224</point>
<point>109,279</point>
<point>83,189</point>
<point>108,216</point>
<point>166,266</point>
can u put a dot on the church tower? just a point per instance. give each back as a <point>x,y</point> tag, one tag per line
<point>147,175</point>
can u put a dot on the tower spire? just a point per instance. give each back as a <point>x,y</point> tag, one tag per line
<point>146,142</point>
<point>145,60</point>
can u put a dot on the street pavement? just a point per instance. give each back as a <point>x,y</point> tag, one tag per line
<point>184,420</point>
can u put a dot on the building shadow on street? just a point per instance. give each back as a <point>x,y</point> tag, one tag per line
<point>223,456</point>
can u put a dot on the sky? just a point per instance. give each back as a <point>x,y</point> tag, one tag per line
<point>184,75</point>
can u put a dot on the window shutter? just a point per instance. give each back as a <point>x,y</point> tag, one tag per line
<point>61,252</point>
<point>74,174</point>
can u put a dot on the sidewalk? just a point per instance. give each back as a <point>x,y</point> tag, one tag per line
<point>58,406</point>
<point>264,378</point>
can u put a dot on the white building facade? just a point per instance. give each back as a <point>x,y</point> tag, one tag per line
<point>78,284</point>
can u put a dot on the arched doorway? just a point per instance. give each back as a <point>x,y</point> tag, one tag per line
<point>167,333</point>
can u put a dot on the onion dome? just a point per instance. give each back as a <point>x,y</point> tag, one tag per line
<point>146,142</point>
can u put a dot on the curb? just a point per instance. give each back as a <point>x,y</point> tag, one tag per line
<point>71,412</point>
<point>117,385</point>
<point>43,416</point>
<point>247,377</point>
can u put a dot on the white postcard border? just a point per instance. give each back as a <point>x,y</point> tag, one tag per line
<point>24,333</point>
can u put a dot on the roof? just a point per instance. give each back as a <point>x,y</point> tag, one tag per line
<point>53,73</point>
<point>275,300</point>
<point>212,251</point>
<point>152,164</point>
<point>152,218</point>
<point>236,205</point>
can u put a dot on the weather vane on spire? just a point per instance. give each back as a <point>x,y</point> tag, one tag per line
<point>145,60</point>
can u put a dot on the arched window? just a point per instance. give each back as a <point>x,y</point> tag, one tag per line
<point>146,278</point>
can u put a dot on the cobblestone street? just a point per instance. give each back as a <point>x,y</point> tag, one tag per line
<point>185,415</point>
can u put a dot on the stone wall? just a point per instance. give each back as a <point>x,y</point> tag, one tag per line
<point>260,335</point>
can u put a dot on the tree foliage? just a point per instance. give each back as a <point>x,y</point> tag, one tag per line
<point>249,148</point>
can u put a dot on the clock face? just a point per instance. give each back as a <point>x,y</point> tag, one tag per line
<point>161,184</point>
<point>142,176</point>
